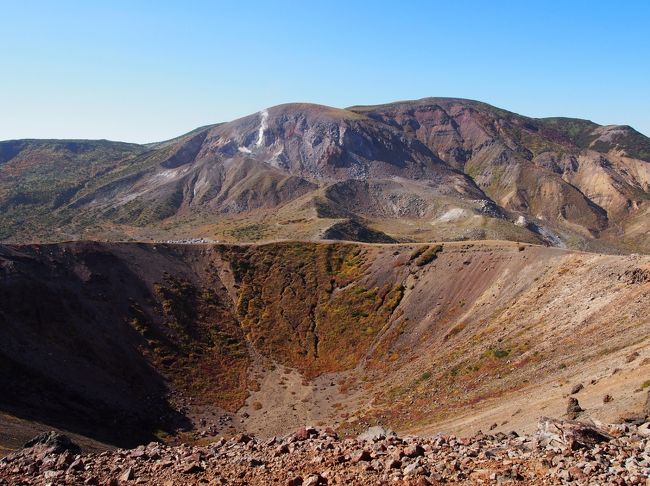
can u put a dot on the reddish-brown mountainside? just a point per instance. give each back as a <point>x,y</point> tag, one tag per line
<point>433,169</point>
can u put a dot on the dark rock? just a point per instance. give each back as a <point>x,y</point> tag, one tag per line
<point>192,468</point>
<point>573,408</point>
<point>576,388</point>
<point>54,442</point>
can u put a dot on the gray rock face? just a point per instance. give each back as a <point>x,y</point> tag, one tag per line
<point>571,434</point>
<point>54,443</point>
<point>375,433</point>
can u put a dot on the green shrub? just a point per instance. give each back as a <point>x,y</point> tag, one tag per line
<point>417,252</point>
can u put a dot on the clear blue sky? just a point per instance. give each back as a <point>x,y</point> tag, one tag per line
<point>149,70</point>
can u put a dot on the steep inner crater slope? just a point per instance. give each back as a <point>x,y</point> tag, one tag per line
<point>126,342</point>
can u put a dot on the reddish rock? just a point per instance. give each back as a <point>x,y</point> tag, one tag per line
<point>242,438</point>
<point>301,434</point>
<point>360,455</point>
<point>414,450</point>
<point>127,475</point>
<point>393,463</point>
<point>192,468</point>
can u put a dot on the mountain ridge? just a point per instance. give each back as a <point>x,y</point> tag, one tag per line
<point>418,170</point>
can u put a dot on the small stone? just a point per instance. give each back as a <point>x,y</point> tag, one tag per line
<point>127,475</point>
<point>314,480</point>
<point>192,468</point>
<point>77,465</point>
<point>283,449</point>
<point>414,450</point>
<point>360,455</point>
<point>242,438</point>
<point>393,463</point>
<point>301,434</point>
<point>411,468</point>
<point>573,408</point>
<point>576,388</point>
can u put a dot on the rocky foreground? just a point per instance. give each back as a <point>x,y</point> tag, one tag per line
<point>560,452</point>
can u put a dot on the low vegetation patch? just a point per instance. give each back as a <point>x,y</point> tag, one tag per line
<point>303,304</point>
<point>199,345</point>
<point>428,255</point>
<point>500,353</point>
<point>417,252</point>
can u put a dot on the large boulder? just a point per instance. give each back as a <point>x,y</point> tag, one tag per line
<point>376,433</point>
<point>53,443</point>
<point>569,434</point>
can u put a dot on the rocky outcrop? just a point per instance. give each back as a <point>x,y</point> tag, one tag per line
<point>571,434</point>
<point>52,443</point>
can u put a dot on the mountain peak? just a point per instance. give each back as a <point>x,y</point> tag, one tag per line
<point>415,170</point>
